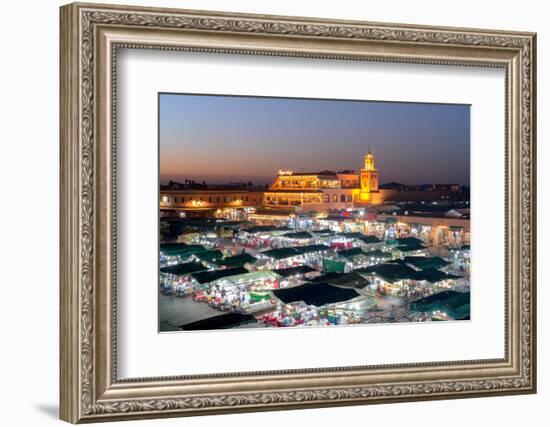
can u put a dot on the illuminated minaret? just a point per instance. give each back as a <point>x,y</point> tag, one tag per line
<point>369,178</point>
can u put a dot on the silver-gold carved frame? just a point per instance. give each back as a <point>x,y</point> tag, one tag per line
<point>90,37</point>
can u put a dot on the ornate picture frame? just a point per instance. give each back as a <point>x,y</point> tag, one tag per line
<point>90,37</point>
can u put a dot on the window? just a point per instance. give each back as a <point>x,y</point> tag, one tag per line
<point>342,197</point>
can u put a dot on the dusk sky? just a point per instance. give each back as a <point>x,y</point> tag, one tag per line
<point>223,139</point>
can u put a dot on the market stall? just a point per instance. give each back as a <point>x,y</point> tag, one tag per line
<point>175,253</point>
<point>295,275</point>
<point>176,278</point>
<point>447,305</point>
<point>246,291</point>
<point>236,261</point>
<point>315,304</point>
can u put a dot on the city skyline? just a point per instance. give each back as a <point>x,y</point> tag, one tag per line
<point>222,139</point>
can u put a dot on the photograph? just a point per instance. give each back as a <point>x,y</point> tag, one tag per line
<point>270,209</point>
<point>293,212</point>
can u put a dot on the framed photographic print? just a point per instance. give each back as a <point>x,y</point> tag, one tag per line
<point>265,213</point>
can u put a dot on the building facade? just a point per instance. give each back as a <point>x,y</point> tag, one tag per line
<point>320,191</point>
<point>209,201</point>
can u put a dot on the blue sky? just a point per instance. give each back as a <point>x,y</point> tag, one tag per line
<point>231,138</point>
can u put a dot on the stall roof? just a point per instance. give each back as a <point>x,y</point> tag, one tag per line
<point>351,235</point>
<point>369,240</point>
<point>209,276</point>
<point>182,249</point>
<point>457,304</point>
<point>237,260</point>
<point>378,254</point>
<point>292,271</point>
<point>408,241</point>
<point>183,269</point>
<point>312,248</point>
<point>423,262</point>
<point>433,276</point>
<point>280,253</point>
<point>265,229</point>
<point>324,231</point>
<point>410,247</point>
<point>352,279</point>
<point>166,246</point>
<point>317,294</point>
<point>224,321</point>
<point>393,272</point>
<point>300,235</point>
<point>351,253</point>
<point>390,272</point>
<point>209,256</point>
<point>252,275</point>
<point>451,298</point>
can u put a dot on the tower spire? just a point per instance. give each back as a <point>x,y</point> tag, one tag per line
<point>369,160</point>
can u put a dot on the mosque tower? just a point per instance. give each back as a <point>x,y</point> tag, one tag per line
<point>369,178</point>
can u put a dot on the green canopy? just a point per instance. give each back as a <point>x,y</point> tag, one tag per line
<point>433,276</point>
<point>351,253</point>
<point>299,270</point>
<point>317,294</point>
<point>423,262</point>
<point>352,235</point>
<point>259,296</point>
<point>411,247</point>
<point>408,241</point>
<point>280,253</point>
<point>333,266</point>
<point>223,321</point>
<point>183,269</point>
<point>300,235</point>
<point>349,280</point>
<point>209,276</point>
<point>389,272</point>
<point>180,249</point>
<point>454,304</point>
<point>237,260</point>
<point>209,256</point>
<point>370,240</point>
